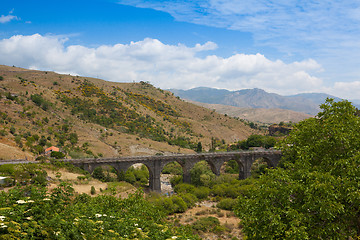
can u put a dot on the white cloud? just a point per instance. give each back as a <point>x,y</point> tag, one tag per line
<point>271,22</point>
<point>8,18</point>
<point>348,90</point>
<point>165,66</point>
<point>326,30</point>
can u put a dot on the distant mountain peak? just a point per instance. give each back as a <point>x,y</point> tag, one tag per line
<point>256,98</point>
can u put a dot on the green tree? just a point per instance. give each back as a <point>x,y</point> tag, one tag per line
<point>12,130</point>
<point>37,99</point>
<point>199,147</point>
<point>201,174</point>
<point>316,193</point>
<point>73,138</point>
<point>98,173</point>
<point>57,155</point>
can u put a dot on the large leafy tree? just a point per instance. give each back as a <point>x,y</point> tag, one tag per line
<point>315,194</point>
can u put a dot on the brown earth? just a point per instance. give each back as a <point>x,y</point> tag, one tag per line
<point>84,186</point>
<point>206,209</point>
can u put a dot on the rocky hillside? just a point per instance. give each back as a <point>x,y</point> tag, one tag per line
<point>88,117</point>
<point>256,98</point>
<point>262,115</point>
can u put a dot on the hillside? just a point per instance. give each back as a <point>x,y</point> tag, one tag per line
<point>91,117</point>
<point>256,98</point>
<point>262,115</point>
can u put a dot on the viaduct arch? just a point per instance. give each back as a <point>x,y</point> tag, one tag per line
<point>156,163</point>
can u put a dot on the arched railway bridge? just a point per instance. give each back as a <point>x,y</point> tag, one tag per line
<point>156,163</point>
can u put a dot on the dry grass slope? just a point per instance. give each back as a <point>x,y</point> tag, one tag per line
<point>169,116</point>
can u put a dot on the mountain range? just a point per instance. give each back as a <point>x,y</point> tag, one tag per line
<point>256,98</point>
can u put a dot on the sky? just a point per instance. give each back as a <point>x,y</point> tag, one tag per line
<point>284,46</point>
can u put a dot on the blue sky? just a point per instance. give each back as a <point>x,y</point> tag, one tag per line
<point>285,47</point>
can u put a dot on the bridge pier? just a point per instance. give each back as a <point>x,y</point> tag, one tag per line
<point>187,166</point>
<point>247,163</point>
<point>154,176</point>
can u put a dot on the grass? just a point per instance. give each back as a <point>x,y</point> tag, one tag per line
<point>117,187</point>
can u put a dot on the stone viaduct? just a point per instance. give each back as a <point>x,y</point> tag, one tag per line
<point>156,163</point>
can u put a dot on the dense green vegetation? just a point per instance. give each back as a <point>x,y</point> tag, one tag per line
<point>316,192</point>
<point>31,213</point>
<point>255,141</point>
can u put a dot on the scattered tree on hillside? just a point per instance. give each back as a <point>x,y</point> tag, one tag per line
<point>199,147</point>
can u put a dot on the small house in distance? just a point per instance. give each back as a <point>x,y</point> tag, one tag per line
<point>51,149</point>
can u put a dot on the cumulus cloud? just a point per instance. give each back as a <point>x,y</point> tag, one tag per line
<point>165,66</point>
<point>347,90</point>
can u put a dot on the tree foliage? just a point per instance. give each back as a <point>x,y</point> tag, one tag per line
<point>316,193</point>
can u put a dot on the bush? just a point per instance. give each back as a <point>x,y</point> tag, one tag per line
<point>206,224</point>
<point>92,191</point>
<point>179,204</point>
<point>57,155</point>
<point>98,173</point>
<point>12,130</point>
<point>165,204</point>
<point>7,169</point>
<point>202,192</point>
<point>184,188</point>
<point>189,199</point>
<point>175,180</point>
<point>227,204</point>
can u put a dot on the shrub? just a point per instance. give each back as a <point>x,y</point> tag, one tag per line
<point>165,204</point>
<point>3,132</point>
<point>98,173</point>
<point>12,130</point>
<point>179,204</point>
<point>202,192</point>
<point>184,188</point>
<point>57,155</point>
<point>227,204</point>
<point>175,180</point>
<point>206,224</point>
<point>7,169</point>
<point>189,199</point>
<point>92,191</point>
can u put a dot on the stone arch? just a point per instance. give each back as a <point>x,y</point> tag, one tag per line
<point>126,166</point>
<point>268,160</point>
<point>187,165</point>
<point>241,169</point>
<point>164,163</point>
<point>215,164</point>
